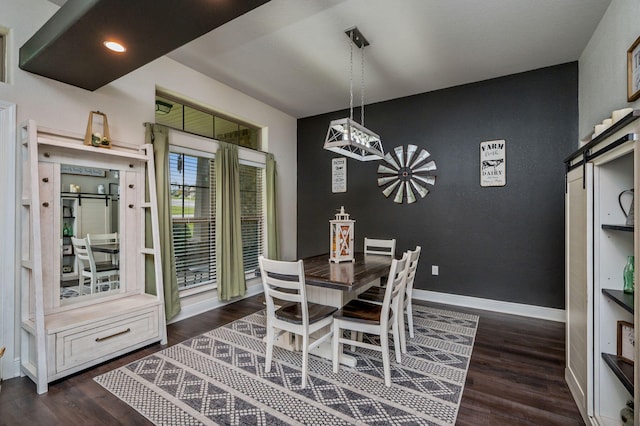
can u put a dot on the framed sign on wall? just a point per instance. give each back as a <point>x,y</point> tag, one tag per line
<point>339,175</point>
<point>493,163</point>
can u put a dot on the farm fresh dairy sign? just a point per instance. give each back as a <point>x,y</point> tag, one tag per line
<point>493,163</point>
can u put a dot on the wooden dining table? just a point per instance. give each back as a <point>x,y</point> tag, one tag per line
<point>335,284</point>
<point>112,249</point>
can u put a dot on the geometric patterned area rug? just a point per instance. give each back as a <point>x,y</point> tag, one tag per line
<point>219,378</point>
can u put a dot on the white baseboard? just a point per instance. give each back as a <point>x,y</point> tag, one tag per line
<point>551,314</point>
<point>212,303</point>
<point>16,367</point>
<point>532,311</point>
<point>12,369</point>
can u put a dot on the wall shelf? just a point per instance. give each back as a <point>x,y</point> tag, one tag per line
<point>622,370</point>
<point>625,300</point>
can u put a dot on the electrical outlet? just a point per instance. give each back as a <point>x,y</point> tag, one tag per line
<point>434,269</point>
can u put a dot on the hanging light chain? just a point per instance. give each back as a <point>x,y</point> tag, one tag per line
<point>351,75</point>
<point>362,88</point>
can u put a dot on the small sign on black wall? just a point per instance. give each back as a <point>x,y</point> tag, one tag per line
<point>493,163</point>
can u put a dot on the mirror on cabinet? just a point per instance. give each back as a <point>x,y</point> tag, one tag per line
<point>89,232</point>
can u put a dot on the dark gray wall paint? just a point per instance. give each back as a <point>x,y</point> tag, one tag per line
<point>504,243</point>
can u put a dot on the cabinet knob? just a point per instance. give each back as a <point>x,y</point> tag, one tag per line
<point>131,185</point>
<point>130,206</point>
<point>131,166</point>
<point>45,180</point>
<point>46,155</point>
<point>45,204</point>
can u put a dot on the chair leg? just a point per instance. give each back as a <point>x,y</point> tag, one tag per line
<point>386,362</point>
<point>396,340</point>
<point>336,346</point>
<point>403,333</point>
<point>305,360</point>
<point>410,319</point>
<point>269,355</point>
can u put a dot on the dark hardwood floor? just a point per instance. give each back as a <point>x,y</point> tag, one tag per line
<point>516,377</point>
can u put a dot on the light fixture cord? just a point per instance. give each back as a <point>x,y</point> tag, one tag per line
<point>351,76</point>
<point>362,88</point>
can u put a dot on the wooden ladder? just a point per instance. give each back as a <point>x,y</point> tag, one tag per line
<point>33,365</point>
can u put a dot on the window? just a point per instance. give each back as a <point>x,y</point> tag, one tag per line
<point>252,218</point>
<point>179,115</point>
<point>193,187</point>
<point>193,218</point>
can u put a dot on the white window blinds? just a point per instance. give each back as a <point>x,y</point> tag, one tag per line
<point>193,216</point>
<point>252,215</point>
<point>193,199</point>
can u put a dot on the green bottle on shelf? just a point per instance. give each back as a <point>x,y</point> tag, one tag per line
<point>628,275</point>
<point>66,231</point>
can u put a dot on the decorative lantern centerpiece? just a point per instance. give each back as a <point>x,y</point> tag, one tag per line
<point>341,238</point>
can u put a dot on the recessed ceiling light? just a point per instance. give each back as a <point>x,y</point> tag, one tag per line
<point>115,46</point>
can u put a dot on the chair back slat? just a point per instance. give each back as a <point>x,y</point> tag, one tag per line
<point>378,246</point>
<point>288,297</point>
<point>276,280</point>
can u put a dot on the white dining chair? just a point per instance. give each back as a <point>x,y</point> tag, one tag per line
<point>359,316</point>
<point>285,281</point>
<point>109,238</point>
<point>381,247</point>
<point>376,295</point>
<point>96,272</point>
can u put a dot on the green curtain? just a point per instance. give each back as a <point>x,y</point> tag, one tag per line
<point>230,267</point>
<point>273,251</point>
<point>159,137</point>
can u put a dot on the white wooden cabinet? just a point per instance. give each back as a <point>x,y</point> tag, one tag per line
<point>61,336</point>
<point>598,242</point>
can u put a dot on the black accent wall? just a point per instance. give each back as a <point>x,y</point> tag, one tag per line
<point>501,243</point>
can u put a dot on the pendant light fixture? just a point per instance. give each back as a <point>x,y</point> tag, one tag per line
<point>345,136</point>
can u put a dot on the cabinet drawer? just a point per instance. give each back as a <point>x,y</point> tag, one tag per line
<point>106,338</point>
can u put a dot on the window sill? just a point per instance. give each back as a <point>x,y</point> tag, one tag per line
<point>197,290</point>
<point>251,281</point>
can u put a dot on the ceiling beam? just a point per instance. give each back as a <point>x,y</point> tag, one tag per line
<point>69,46</point>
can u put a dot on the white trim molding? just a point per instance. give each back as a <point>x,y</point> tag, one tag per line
<point>10,362</point>
<point>551,314</point>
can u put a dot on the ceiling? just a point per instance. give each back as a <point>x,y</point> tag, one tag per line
<point>294,54</point>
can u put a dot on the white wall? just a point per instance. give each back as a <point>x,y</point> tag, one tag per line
<point>129,101</point>
<point>603,65</point>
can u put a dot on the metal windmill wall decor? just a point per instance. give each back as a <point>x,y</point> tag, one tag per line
<point>406,174</point>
